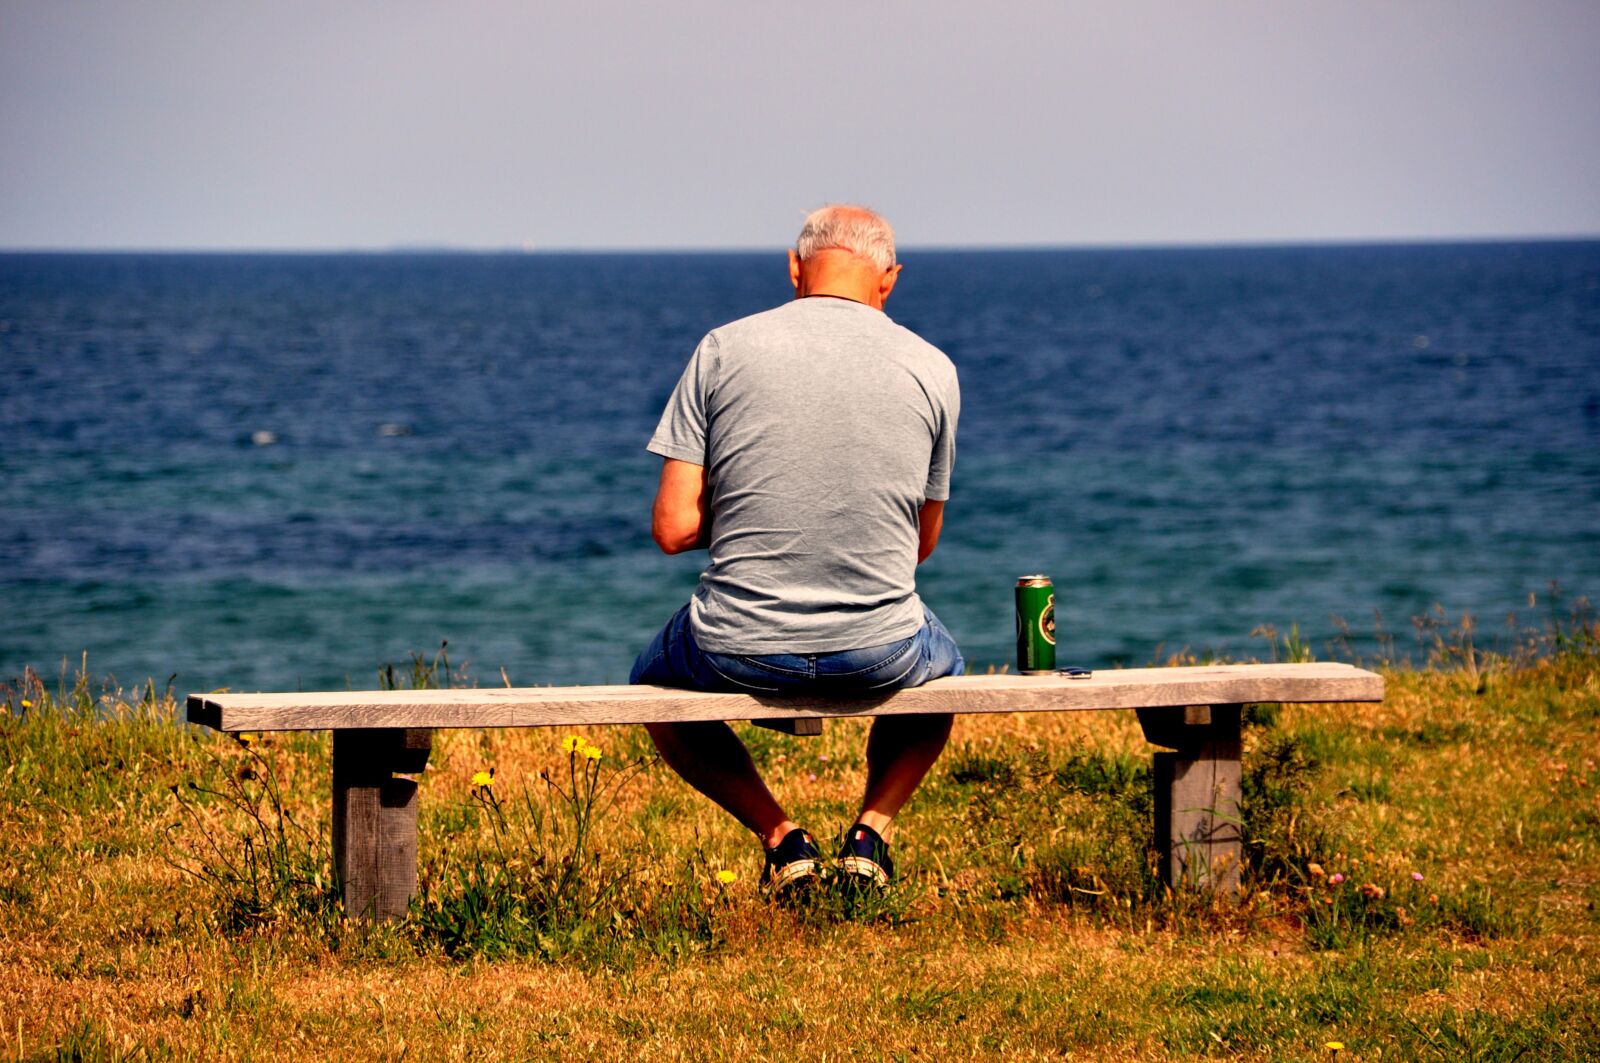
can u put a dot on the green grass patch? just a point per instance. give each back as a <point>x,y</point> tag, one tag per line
<point>1421,881</point>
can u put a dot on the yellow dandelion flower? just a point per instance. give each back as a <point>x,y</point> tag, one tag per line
<point>1334,1046</point>
<point>593,752</point>
<point>244,740</point>
<point>726,877</point>
<point>27,704</point>
<point>483,778</point>
<point>573,744</point>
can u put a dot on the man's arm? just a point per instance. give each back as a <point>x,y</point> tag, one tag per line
<point>678,522</point>
<point>930,522</point>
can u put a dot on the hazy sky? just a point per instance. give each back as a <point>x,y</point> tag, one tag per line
<point>709,124</point>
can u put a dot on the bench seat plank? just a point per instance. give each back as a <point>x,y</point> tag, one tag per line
<point>1129,688</point>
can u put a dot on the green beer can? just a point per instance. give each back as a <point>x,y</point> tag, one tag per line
<point>1036,625</point>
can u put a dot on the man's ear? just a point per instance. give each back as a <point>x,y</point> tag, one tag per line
<point>886,282</point>
<point>794,271</point>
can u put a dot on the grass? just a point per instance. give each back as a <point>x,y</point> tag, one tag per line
<point>1421,882</point>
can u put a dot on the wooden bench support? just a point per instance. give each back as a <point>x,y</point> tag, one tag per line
<point>795,725</point>
<point>1198,832</point>
<point>1197,829</point>
<point>375,817</point>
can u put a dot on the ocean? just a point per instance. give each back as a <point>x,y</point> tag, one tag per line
<point>284,471</point>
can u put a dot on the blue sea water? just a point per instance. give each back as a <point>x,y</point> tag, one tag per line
<point>1191,442</point>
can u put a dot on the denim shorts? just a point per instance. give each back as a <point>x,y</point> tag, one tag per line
<point>674,659</point>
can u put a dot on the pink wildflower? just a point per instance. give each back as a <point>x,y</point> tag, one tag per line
<point>1416,876</point>
<point>1336,878</point>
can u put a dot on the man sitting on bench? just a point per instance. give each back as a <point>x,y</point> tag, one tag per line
<point>810,448</point>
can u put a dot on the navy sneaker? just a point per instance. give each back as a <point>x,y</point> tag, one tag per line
<point>865,856</point>
<point>792,863</point>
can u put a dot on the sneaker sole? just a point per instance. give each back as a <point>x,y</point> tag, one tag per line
<point>789,874</point>
<point>864,867</point>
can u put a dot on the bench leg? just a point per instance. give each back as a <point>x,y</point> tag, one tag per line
<point>375,818</point>
<point>1198,833</point>
<point>811,726</point>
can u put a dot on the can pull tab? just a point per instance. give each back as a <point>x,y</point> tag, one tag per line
<point>1074,673</point>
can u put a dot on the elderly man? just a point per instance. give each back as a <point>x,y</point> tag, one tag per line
<point>810,448</point>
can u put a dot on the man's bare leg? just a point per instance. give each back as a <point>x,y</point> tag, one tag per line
<point>900,750</point>
<point>710,758</point>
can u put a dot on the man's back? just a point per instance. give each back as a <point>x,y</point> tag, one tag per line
<point>810,447</point>
<point>823,427</point>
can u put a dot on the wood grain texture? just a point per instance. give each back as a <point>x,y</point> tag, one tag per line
<point>1129,688</point>
<point>1197,791</point>
<point>375,819</point>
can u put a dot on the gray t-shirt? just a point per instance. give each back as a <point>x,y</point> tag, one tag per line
<point>824,426</point>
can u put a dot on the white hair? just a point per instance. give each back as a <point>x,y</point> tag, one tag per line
<point>847,227</point>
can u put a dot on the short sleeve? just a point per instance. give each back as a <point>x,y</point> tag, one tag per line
<point>942,461</point>
<point>682,431</point>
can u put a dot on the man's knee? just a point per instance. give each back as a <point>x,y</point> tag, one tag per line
<point>671,734</point>
<point>684,727</point>
<point>921,726</point>
<point>674,740</point>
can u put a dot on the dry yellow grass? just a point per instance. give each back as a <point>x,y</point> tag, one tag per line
<point>106,949</point>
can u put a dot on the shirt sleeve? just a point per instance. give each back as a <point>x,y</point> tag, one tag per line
<point>943,459</point>
<point>682,431</point>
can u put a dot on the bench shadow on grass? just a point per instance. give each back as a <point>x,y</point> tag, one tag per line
<point>840,898</point>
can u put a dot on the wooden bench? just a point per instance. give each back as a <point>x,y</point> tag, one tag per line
<point>379,737</point>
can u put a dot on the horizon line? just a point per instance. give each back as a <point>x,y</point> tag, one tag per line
<point>425,248</point>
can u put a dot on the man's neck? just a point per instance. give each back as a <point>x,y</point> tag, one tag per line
<point>836,295</point>
<point>840,275</point>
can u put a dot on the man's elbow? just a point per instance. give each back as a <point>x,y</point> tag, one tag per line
<point>674,540</point>
<point>930,523</point>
